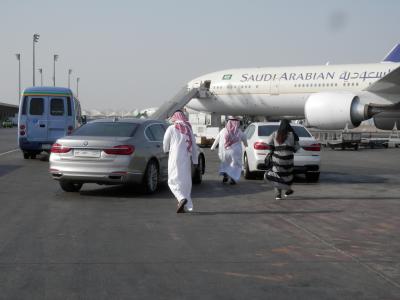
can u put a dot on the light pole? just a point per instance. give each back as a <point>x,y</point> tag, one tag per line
<point>77,87</point>
<point>41,76</point>
<point>18,55</point>
<point>35,40</point>
<point>55,57</point>
<point>69,77</point>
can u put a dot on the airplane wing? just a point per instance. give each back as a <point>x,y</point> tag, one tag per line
<point>389,84</point>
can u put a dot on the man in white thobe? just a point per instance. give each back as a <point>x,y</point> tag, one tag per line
<point>229,141</point>
<point>180,143</point>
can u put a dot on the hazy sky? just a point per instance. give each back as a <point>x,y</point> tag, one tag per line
<point>136,54</point>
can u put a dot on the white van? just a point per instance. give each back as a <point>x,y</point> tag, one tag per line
<point>46,114</point>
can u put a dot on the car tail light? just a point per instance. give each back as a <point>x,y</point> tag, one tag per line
<point>70,128</point>
<point>22,130</point>
<point>313,147</point>
<point>58,148</point>
<point>261,146</point>
<point>120,150</point>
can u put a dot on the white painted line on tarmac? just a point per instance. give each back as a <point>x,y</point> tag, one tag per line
<point>11,151</point>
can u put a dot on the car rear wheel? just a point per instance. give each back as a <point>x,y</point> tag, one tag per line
<point>29,154</point>
<point>151,177</point>
<point>246,172</point>
<point>199,171</point>
<point>312,176</point>
<point>70,186</point>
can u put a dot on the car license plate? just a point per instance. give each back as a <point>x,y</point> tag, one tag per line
<point>86,153</point>
<point>46,146</point>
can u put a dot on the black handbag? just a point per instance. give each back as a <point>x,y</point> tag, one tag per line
<point>268,160</point>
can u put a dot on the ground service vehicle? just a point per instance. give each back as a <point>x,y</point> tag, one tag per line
<point>46,114</point>
<point>7,123</point>
<point>112,151</point>
<point>306,159</point>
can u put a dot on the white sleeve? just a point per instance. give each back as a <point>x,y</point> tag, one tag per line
<point>270,139</point>
<point>244,139</point>
<point>216,142</point>
<point>167,140</point>
<point>195,152</point>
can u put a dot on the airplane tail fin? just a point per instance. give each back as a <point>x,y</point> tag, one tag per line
<point>393,55</point>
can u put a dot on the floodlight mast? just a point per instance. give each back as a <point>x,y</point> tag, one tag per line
<point>35,39</point>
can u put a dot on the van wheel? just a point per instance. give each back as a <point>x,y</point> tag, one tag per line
<point>199,171</point>
<point>70,186</point>
<point>312,176</point>
<point>246,172</point>
<point>151,177</point>
<point>33,155</point>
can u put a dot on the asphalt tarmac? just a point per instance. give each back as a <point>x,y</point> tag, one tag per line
<point>336,239</point>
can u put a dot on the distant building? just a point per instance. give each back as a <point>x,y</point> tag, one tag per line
<point>7,110</point>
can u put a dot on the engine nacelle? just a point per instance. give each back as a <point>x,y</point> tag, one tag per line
<point>387,120</point>
<point>334,110</point>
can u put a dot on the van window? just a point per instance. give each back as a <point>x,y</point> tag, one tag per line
<point>24,102</point>
<point>36,107</point>
<point>57,107</point>
<point>69,106</point>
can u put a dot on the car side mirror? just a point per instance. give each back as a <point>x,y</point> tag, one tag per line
<point>84,119</point>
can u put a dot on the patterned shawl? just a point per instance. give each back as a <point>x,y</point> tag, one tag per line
<point>183,126</point>
<point>232,134</point>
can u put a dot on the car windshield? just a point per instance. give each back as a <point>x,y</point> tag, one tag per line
<point>116,129</point>
<point>266,130</point>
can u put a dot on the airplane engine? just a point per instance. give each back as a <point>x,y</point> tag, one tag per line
<point>334,110</point>
<point>387,120</point>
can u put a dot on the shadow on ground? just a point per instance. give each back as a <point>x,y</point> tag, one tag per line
<point>264,212</point>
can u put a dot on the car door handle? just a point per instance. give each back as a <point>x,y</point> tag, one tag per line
<point>42,125</point>
<point>158,146</point>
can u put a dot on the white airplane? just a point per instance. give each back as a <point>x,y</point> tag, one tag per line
<point>328,96</point>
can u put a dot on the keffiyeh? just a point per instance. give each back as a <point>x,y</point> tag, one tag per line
<point>183,126</point>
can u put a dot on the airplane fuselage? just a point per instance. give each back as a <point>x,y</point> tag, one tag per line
<point>283,91</point>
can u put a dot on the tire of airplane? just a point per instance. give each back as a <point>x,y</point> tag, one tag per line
<point>70,186</point>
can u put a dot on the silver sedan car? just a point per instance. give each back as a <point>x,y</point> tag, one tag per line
<point>112,151</point>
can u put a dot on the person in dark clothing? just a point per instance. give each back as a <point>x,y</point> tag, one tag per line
<point>284,143</point>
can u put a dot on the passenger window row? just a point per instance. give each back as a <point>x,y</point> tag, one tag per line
<point>296,85</point>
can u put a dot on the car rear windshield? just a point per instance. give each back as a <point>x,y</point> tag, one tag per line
<point>266,130</point>
<point>107,129</point>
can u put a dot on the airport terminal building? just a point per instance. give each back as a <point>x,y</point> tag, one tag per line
<point>7,110</point>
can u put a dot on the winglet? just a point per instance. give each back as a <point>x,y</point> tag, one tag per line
<point>393,55</point>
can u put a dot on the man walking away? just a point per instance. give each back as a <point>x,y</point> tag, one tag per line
<point>180,143</point>
<point>229,141</point>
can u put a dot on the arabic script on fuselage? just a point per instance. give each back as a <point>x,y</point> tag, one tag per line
<point>312,76</point>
